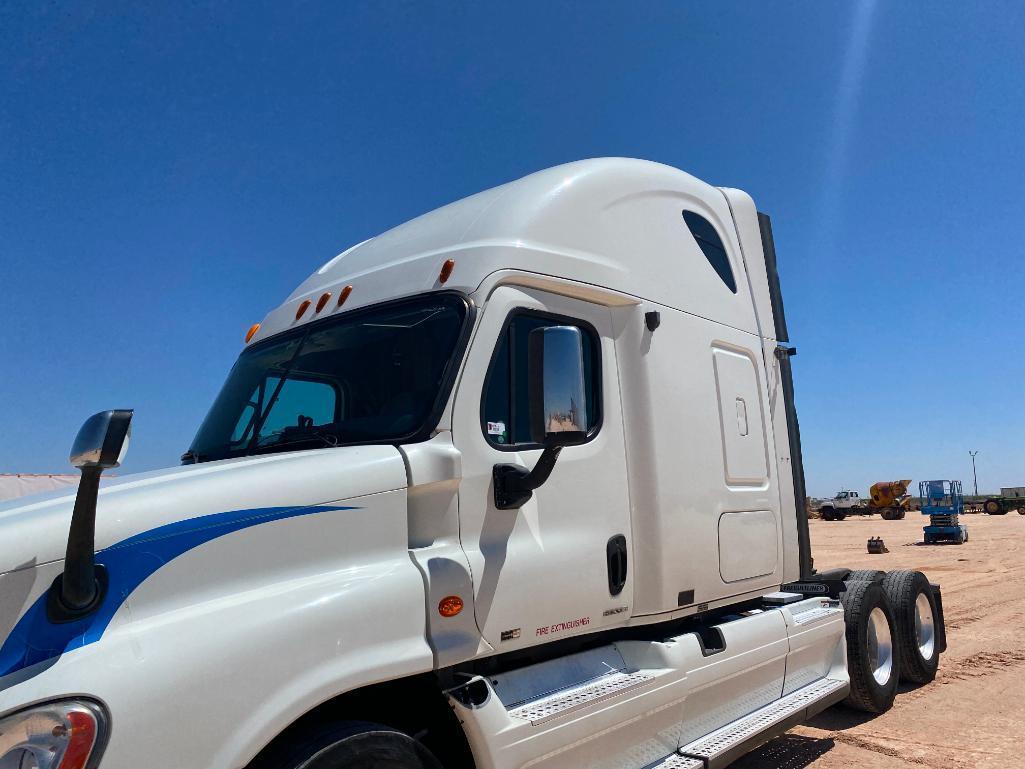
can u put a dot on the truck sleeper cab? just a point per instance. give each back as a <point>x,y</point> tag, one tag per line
<point>515,481</point>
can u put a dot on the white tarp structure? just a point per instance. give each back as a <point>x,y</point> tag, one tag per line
<point>20,484</point>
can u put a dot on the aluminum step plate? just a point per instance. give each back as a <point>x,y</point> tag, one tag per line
<point>816,614</point>
<point>603,688</point>
<point>733,734</point>
<point>676,761</point>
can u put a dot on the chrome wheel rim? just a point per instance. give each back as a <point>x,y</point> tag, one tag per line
<point>925,627</point>
<point>880,646</point>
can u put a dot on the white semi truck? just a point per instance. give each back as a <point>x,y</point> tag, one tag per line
<point>517,483</point>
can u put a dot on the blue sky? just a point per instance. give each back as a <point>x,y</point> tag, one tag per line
<point>167,175</point>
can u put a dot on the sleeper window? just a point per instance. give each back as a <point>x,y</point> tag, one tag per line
<point>505,409</point>
<point>712,247</point>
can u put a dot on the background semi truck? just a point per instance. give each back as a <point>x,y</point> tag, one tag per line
<point>888,498</point>
<point>515,483</point>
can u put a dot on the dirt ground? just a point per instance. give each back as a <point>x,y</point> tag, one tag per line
<point>973,714</point>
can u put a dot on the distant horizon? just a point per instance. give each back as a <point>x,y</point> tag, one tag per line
<point>171,174</point>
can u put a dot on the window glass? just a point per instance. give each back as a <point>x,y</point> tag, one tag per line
<point>506,412</point>
<point>371,375</point>
<point>712,247</point>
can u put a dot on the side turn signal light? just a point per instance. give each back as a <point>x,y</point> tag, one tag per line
<point>450,606</point>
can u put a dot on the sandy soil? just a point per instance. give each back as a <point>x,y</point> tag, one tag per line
<point>973,714</point>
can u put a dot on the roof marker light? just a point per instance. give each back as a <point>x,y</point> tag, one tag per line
<point>252,331</point>
<point>450,606</point>
<point>323,301</point>
<point>446,270</point>
<point>344,295</point>
<point>303,306</point>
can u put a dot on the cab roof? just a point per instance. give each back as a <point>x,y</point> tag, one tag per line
<point>615,223</point>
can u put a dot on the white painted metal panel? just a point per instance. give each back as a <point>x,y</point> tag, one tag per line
<point>747,545</point>
<point>743,437</point>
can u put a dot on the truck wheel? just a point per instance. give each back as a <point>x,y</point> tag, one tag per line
<point>827,513</point>
<point>886,513</point>
<point>353,745</point>
<point>993,507</point>
<point>865,575</point>
<point>1021,511</point>
<point>871,662</point>
<point>914,607</point>
<point>900,514</point>
<point>839,515</point>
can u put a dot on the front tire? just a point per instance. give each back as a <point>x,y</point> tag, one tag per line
<point>914,607</point>
<point>870,629</point>
<point>351,745</point>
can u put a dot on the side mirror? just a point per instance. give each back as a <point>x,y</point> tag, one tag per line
<point>557,402</point>
<point>101,443</point>
<point>555,371</point>
<point>102,440</point>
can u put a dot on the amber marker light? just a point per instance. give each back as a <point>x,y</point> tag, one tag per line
<point>450,606</point>
<point>322,301</point>
<point>344,295</point>
<point>446,270</point>
<point>304,305</point>
<point>252,331</point>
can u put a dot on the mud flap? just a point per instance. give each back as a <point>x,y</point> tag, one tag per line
<point>941,625</point>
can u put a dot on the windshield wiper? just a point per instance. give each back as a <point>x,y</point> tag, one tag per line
<point>293,435</point>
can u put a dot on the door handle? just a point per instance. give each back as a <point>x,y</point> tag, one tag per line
<point>615,554</point>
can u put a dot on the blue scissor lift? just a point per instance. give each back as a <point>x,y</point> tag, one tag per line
<point>943,502</point>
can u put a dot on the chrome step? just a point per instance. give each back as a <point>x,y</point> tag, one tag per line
<point>767,722</point>
<point>602,688</point>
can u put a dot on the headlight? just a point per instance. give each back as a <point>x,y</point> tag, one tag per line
<point>58,735</point>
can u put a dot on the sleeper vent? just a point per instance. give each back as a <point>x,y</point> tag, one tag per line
<point>711,246</point>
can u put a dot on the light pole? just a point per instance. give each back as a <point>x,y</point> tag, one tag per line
<point>975,478</point>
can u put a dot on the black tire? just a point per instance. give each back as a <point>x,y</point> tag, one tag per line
<point>993,507</point>
<point>839,515</point>
<point>351,745</point>
<point>886,514</point>
<point>865,575</point>
<point>900,515</point>
<point>903,589</point>
<point>861,601</point>
<point>827,513</point>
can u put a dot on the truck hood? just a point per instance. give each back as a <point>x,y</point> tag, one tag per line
<point>34,529</point>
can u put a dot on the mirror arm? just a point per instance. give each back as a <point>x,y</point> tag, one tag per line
<point>514,485</point>
<point>80,584</point>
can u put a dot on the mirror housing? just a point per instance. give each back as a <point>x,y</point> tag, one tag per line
<point>102,440</point>
<point>557,386</point>
<point>557,400</point>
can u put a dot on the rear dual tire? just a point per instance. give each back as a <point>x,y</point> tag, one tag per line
<point>873,665</point>
<point>914,606</point>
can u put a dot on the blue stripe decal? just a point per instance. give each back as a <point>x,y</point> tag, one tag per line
<point>36,639</point>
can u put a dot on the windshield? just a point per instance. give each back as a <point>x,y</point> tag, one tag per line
<point>369,376</point>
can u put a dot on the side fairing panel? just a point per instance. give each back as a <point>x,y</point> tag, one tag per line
<point>243,633</point>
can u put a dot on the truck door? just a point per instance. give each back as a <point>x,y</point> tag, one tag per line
<point>561,564</point>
